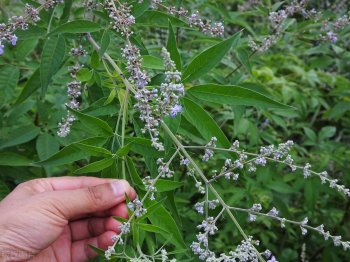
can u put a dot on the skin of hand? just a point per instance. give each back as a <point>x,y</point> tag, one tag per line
<point>54,219</point>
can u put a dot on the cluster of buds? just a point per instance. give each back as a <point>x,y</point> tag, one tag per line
<point>172,88</point>
<point>212,204</point>
<point>331,28</point>
<point>247,5</point>
<point>194,19</point>
<point>137,207</point>
<point>149,184</point>
<point>276,22</point>
<point>74,90</point>
<point>52,3</point>
<point>7,34</point>
<point>255,211</point>
<point>121,17</point>
<point>209,149</point>
<point>163,169</point>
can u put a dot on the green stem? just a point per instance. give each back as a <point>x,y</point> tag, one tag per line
<point>212,189</point>
<point>125,115</point>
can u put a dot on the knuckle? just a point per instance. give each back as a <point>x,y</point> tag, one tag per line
<point>95,196</point>
<point>31,185</point>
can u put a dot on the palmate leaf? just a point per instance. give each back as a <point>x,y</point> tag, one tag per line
<point>234,95</point>
<point>209,58</point>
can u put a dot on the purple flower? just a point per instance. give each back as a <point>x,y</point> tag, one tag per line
<point>272,259</point>
<point>332,37</point>
<point>1,48</point>
<point>13,40</point>
<point>175,110</point>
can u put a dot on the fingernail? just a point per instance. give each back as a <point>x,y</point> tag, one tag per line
<point>120,187</point>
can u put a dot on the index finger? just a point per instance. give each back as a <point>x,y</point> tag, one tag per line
<point>41,185</point>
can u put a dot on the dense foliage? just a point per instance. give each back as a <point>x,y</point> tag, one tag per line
<point>160,93</point>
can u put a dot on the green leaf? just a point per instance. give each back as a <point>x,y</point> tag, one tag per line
<point>99,251</point>
<point>281,187</point>
<point>163,185</point>
<point>20,136</point>
<point>33,31</point>
<point>143,146</point>
<point>162,218</point>
<point>124,150</point>
<point>94,150</point>
<point>339,109</point>
<point>95,166</point>
<point>138,7</point>
<point>25,47</point>
<point>84,75</point>
<point>46,146</point>
<point>95,60</point>
<point>151,209</point>
<point>234,95</point>
<point>243,57</point>
<point>153,229</point>
<point>4,190</point>
<point>51,60</point>
<point>33,84</point>
<point>135,177</point>
<point>105,41</point>
<point>310,134</point>
<point>76,27</point>
<point>120,219</point>
<point>171,46</point>
<point>13,159</point>
<point>209,58</point>
<point>326,132</point>
<point>73,152</point>
<point>9,76</point>
<point>93,124</point>
<point>204,123</point>
<point>152,62</point>
<point>111,96</point>
<point>66,11</point>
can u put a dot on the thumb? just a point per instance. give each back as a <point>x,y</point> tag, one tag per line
<point>79,202</point>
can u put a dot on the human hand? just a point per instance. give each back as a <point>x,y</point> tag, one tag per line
<point>54,219</point>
